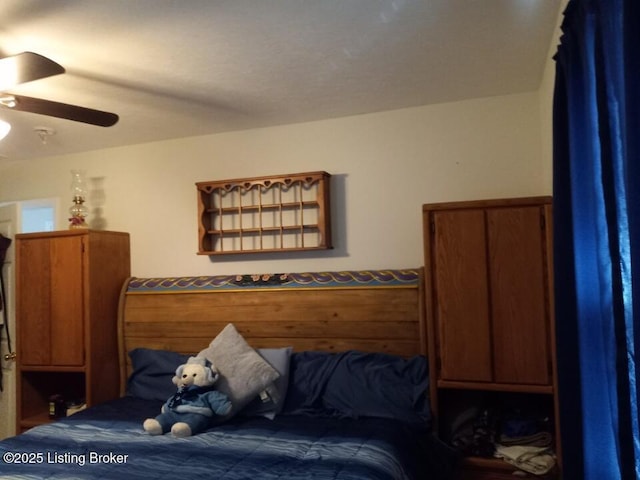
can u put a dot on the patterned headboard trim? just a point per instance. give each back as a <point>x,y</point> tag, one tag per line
<point>345,279</point>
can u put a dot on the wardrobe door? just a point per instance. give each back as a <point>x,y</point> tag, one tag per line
<point>33,296</point>
<point>50,293</point>
<point>67,301</point>
<point>518,284</point>
<point>462,308</point>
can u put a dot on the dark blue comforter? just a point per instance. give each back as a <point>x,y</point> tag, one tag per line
<point>107,441</point>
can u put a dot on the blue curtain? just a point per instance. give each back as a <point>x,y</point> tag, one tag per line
<point>597,237</point>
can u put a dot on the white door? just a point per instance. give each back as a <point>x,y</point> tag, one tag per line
<point>8,227</point>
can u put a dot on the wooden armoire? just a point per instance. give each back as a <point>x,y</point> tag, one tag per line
<point>488,280</point>
<point>67,290</point>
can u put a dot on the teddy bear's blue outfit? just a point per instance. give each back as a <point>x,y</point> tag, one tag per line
<point>194,406</point>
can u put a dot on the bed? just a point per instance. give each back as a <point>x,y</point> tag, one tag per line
<point>341,393</point>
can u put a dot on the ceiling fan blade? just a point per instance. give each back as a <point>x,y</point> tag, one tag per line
<point>26,67</point>
<point>62,110</point>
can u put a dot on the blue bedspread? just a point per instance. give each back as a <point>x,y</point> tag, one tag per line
<point>108,442</point>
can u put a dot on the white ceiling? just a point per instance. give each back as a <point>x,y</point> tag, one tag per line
<point>176,68</point>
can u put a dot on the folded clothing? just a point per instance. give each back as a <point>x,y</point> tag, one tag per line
<point>538,439</point>
<point>536,460</point>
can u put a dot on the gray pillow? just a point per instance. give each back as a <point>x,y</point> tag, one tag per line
<point>271,400</point>
<point>243,372</point>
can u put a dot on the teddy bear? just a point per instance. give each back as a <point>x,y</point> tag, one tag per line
<point>194,405</point>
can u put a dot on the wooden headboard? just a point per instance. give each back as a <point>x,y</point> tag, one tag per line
<point>376,311</point>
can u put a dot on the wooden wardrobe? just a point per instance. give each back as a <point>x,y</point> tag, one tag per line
<point>488,280</point>
<point>67,289</point>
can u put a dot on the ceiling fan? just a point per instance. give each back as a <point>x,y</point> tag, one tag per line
<point>28,66</point>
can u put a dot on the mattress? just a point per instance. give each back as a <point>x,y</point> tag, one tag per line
<point>107,441</point>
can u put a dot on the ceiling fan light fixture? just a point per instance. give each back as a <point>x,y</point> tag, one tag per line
<point>4,128</point>
<point>8,73</point>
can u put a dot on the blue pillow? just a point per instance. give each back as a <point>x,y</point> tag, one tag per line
<point>357,384</point>
<point>152,371</point>
<point>309,373</point>
<point>271,401</point>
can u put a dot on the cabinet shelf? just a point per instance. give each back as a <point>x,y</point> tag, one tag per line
<point>35,420</point>
<point>264,214</point>
<point>496,469</point>
<point>496,387</point>
<point>52,368</point>
<point>482,462</point>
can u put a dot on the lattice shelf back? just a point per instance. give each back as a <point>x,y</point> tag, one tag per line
<point>264,214</point>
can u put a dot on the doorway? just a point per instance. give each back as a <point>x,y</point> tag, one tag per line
<point>9,226</point>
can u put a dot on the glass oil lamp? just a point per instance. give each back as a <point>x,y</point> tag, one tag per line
<point>78,210</point>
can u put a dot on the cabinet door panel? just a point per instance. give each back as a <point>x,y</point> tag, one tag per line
<point>520,323</point>
<point>462,310</point>
<point>33,293</point>
<point>67,333</point>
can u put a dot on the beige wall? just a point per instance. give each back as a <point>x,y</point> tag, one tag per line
<point>384,167</point>
<point>546,101</point>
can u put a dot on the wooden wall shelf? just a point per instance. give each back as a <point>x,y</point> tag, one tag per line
<point>264,214</point>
